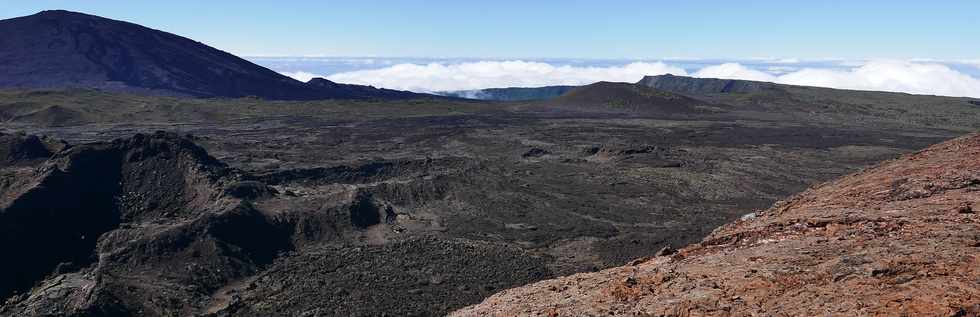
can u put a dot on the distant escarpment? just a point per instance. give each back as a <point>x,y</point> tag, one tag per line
<point>629,98</point>
<point>62,49</point>
<point>698,86</point>
<point>899,239</point>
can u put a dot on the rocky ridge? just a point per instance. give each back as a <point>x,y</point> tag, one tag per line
<point>896,239</point>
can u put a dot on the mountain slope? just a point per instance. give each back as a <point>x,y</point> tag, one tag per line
<point>897,239</point>
<point>63,49</point>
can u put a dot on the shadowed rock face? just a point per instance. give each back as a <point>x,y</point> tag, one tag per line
<point>365,212</point>
<point>56,219</point>
<point>93,217</point>
<point>62,49</point>
<point>897,239</point>
<point>23,149</point>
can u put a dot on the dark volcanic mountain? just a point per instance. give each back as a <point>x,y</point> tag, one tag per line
<point>62,49</point>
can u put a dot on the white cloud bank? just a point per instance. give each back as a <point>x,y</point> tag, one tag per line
<point>478,75</point>
<point>883,75</point>
<point>897,76</point>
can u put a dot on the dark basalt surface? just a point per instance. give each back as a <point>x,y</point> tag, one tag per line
<point>422,276</point>
<point>154,225</point>
<point>405,207</point>
<point>905,228</point>
<point>83,192</point>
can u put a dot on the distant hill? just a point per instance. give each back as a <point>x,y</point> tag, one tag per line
<point>696,86</point>
<point>626,97</point>
<point>692,86</point>
<point>511,93</point>
<point>63,49</point>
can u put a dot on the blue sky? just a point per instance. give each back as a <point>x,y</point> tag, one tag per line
<point>923,47</point>
<point>578,29</point>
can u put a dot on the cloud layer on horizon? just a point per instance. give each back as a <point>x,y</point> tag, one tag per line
<point>896,76</point>
<point>488,74</point>
<point>916,77</point>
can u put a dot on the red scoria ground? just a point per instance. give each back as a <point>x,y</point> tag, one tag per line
<point>898,239</point>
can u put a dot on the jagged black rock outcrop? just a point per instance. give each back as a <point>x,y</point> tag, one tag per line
<point>366,212</point>
<point>149,207</point>
<point>153,225</point>
<point>22,148</point>
<point>85,191</point>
